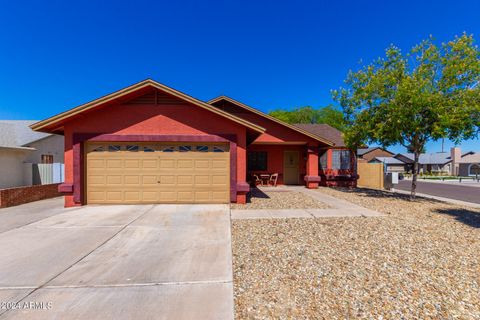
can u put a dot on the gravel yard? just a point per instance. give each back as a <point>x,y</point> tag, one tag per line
<point>279,199</point>
<point>422,260</point>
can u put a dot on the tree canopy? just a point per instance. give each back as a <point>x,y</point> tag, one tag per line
<point>328,115</point>
<point>431,92</point>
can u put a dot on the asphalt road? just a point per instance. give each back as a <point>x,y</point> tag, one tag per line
<point>457,192</point>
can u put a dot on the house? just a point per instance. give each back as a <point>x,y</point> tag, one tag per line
<point>466,164</point>
<point>391,164</point>
<point>20,147</point>
<point>367,154</point>
<point>149,143</point>
<point>435,162</point>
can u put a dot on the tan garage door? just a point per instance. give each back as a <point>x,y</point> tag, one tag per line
<point>157,173</point>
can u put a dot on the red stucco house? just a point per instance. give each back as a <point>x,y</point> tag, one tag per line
<point>149,143</point>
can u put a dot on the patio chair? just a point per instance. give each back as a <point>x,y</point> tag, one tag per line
<point>273,179</point>
<point>256,180</point>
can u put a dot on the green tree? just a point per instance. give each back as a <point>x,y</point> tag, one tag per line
<point>328,115</point>
<point>432,92</point>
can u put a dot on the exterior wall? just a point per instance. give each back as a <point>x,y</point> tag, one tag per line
<point>12,169</point>
<point>275,159</point>
<point>50,145</point>
<point>164,119</point>
<point>373,154</point>
<point>338,177</point>
<point>464,169</point>
<point>15,196</point>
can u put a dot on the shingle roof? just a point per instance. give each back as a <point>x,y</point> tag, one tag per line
<point>430,158</point>
<point>389,160</point>
<point>362,151</point>
<point>324,131</point>
<point>17,133</point>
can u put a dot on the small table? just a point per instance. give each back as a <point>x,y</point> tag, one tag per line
<point>264,177</point>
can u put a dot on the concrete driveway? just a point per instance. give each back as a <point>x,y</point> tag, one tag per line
<point>115,262</point>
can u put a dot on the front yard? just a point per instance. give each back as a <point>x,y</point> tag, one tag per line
<point>422,260</point>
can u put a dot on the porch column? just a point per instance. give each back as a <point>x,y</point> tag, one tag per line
<point>311,178</point>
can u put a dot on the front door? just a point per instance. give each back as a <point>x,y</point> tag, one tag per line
<point>291,160</point>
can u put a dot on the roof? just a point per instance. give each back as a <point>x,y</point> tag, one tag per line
<point>325,131</point>
<point>17,133</point>
<point>429,158</point>
<point>48,125</point>
<point>262,114</point>
<point>362,151</point>
<point>388,160</point>
<point>470,157</point>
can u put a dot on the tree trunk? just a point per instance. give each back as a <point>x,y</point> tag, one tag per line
<point>413,191</point>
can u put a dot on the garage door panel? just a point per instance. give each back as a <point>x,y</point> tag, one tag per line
<point>149,180</point>
<point>114,163</point>
<point>168,180</point>
<point>140,173</point>
<point>149,164</point>
<point>114,180</point>
<point>132,164</point>
<point>132,180</point>
<point>167,164</point>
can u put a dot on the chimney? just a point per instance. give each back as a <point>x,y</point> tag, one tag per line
<point>456,155</point>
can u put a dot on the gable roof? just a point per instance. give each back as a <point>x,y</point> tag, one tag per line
<point>47,124</point>
<point>363,151</point>
<point>17,133</point>
<point>428,158</point>
<point>264,115</point>
<point>388,160</point>
<point>325,131</point>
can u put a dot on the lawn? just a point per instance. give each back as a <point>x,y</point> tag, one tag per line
<point>420,261</point>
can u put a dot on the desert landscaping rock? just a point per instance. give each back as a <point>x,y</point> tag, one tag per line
<point>420,261</point>
<point>279,199</point>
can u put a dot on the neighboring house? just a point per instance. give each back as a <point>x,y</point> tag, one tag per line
<point>453,162</point>
<point>368,154</point>
<point>20,147</point>
<point>149,143</point>
<point>468,164</point>
<point>337,163</point>
<point>391,164</point>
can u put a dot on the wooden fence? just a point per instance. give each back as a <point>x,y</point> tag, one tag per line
<point>370,175</point>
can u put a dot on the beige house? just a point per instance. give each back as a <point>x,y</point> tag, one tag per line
<point>24,151</point>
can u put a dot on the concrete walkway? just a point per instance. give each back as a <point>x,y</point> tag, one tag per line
<point>338,208</point>
<point>117,262</point>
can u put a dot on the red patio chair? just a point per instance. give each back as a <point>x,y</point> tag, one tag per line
<point>273,179</point>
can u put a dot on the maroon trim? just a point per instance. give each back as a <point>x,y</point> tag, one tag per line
<point>65,188</point>
<point>79,140</point>
<point>312,179</point>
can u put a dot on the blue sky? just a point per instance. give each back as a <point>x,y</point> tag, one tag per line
<point>55,55</point>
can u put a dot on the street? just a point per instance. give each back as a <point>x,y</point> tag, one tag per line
<point>446,190</point>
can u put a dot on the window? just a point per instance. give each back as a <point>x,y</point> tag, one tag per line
<point>257,161</point>
<point>322,160</point>
<point>47,158</point>
<point>474,169</point>
<point>341,159</point>
<point>185,148</point>
<point>168,149</point>
<point>218,149</point>
<point>99,149</point>
<point>148,149</point>
<point>112,148</point>
<point>132,148</point>
<point>202,148</point>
